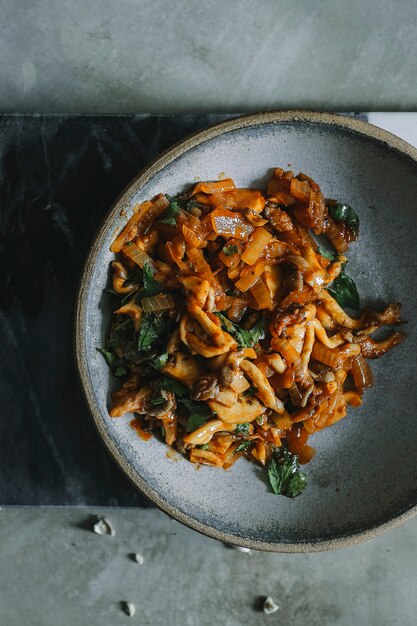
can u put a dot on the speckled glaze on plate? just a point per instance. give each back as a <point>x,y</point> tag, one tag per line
<point>364,478</point>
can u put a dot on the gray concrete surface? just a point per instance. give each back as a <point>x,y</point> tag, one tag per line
<point>191,56</point>
<point>55,572</point>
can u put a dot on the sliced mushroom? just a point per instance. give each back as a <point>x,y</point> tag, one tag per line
<point>119,279</point>
<point>184,368</point>
<point>127,400</point>
<point>205,388</point>
<point>134,311</point>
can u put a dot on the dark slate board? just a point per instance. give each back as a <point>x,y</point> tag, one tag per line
<point>59,175</point>
<point>58,178</point>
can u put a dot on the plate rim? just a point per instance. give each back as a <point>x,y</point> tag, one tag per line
<point>343,122</point>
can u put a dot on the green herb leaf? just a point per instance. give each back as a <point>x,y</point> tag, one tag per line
<point>163,432</point>
<point>203,447</point>
<point>158,361</point>
<point>191,204</point>
<point>230,249</point>
<point>122,339</point>
<point>345,292</point>
<point>243,446</point>
<point>108,355</point>
<point>171,212</point>
<point>198,413</point>
<point>345,213</point>
<point>116,365</point>
<point>249,338</point>
<point>197,407</point>
<point>151,329</point>
<point>327,253</point>
<point>168,384</point>
<point>171,221</point>
<point>151,287</point>
<point>242,429</point>
<point>194,422</point>
<point>245,338</point>
<point>284,474</point>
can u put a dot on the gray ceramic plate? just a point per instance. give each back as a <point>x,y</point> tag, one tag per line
<point>364,477</point>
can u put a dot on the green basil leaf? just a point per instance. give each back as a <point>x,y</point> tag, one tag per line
<point>194,422</point>
<point>345,292</point>
<point>116,365</point>
<point>203,447</point>
<point>284,474</point>
<point>151,287</point>
<point>108,355</point>
<point>158,361</point>
<point>196,407</point>
<point>171,212</point>
<point>245,338</point>
<point>256,333</point>
<point>345,213</point>
<point>191,204</point>
<point>151,329</point>
<point>198,413</point>
<point>327,254</point>
<point>230,249</point>
<point>171,221</point>
<point>120,371</point>
<point>242,429</point>
<point>243,446</point>
<point>168,384</point>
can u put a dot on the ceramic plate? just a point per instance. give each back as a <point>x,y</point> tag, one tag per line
<point>363,479</point>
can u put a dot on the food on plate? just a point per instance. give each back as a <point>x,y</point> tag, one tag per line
<point>231,332</point>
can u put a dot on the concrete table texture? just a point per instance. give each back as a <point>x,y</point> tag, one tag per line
<point>54,571</point>
<point>188,56</point>
<point>165,56</point>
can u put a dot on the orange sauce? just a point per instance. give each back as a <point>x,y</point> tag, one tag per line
<point>136,424</point>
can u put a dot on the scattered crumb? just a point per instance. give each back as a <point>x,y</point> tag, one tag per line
<point>123,213</point>
<point>138,558</point>
<point>221,175</point>
<point>128,608</point>
<point>103,527</point>
<point>242,549</point>
<point>270,606</point>
<point>197,178</point>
